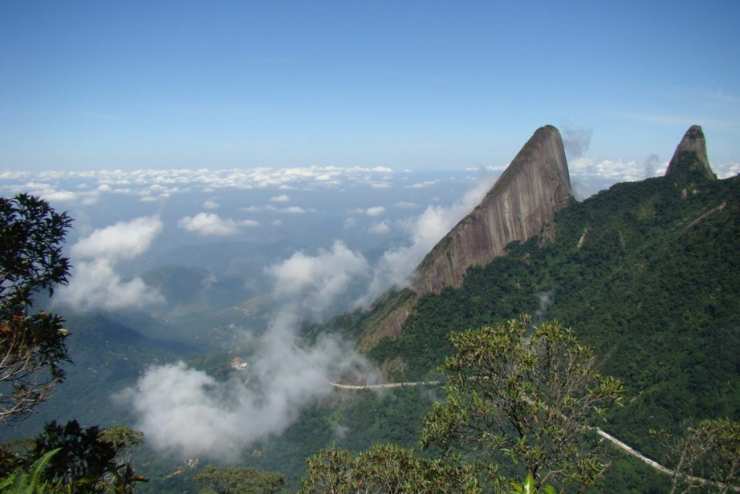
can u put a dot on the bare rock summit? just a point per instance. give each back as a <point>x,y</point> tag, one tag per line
<point>690,158</point>
<point>520,205</point>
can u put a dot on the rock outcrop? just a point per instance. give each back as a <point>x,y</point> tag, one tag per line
<point>690,158</point>
<point>521,204</point>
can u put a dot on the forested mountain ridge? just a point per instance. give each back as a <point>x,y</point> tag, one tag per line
<point>646,273</point>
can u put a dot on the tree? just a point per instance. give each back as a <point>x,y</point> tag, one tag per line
<point>708,456</point>
<point>386,469</point>
<point>32,351</point>
<point>235,480</point>
<point>329,471</point>
<point>69,458</point>
<point>531,398</point>
<point>31,481</point>
<point>88,460</point>
<point>528,486</point>
<point>32,346</point>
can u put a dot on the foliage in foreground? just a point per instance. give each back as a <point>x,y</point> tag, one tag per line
<point>31,262</point>
<point>531,399</point>
<point>65,458</point>
<point>386,468</point>
<point>70,458</point>
<point>235,480</point>
<point>517,399</point>
<point>31,481</point>
<point>709,450</point>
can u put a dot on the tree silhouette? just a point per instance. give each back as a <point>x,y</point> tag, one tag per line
<point>32,346</point>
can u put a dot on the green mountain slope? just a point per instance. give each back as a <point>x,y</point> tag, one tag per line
<point>646,273</point>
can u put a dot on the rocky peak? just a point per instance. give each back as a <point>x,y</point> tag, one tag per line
<point>519,206</point>
<point>690,158</point>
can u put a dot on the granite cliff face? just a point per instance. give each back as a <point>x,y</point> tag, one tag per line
<point>521,204</point>
<point>690,158</point>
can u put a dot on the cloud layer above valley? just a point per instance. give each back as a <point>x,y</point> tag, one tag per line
<point>211,224</point>
<point>318,281</point>
<point>187,413</point>
<point>95,283</point>
<point>150,185</point>
<point>87,188</point>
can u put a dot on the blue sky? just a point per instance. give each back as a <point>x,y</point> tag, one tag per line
<point>427,85</point>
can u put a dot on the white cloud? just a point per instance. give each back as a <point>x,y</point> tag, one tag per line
<point>728,170</point>
<point>372,211</point>
<point>161,184</point>
<point>123,240</point>
<point>208,224</point>
<point>55,195</point>
<point>576,141</point>
<point>319,279</point>
<point>58,195</point>
<point>211,224</point>
<point>273,209</point>
<point>381,228</point>
<point>52,193</point>
<point>186,412</point>
<point>13,175</point>
<point>280,198</point>
<point>95,284</point>
<point>616,170</point>
<point>406,205</point>
<point>422,185</point>
<point>210,204</point>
